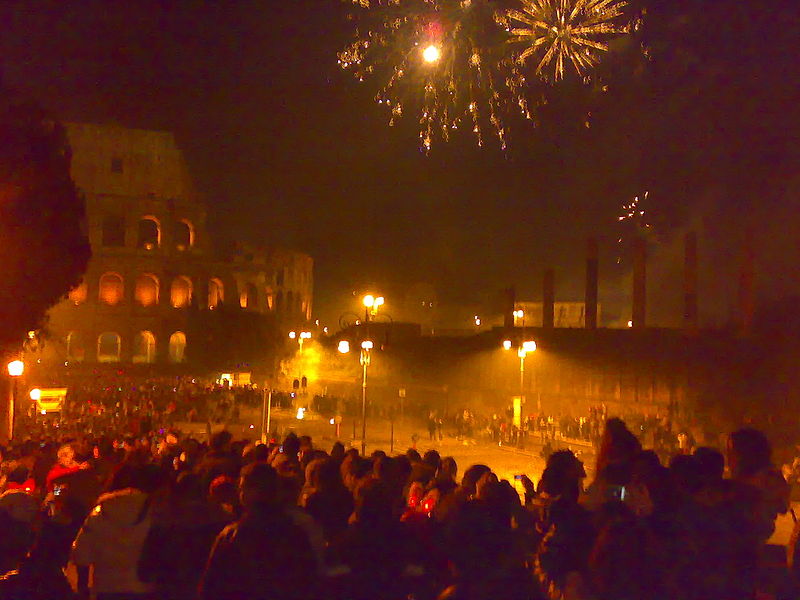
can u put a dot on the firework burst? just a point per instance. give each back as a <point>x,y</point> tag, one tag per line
<point>633,221</point>
<point>444,62</point>
<point>560,33</point>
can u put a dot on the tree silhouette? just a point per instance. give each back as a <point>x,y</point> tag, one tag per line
<point>45,248</point>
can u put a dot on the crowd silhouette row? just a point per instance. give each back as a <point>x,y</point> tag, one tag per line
<point>173,518</point>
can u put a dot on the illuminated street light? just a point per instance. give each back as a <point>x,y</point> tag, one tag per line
<point>366,347</point>
<point>371,304</point>
<point>507,344</point>
<point>524,349</point>
<point>36,394</point>
<point>431,54</point>
<point>301,337</point>
<point>16,368</point>
<point>519,313</point>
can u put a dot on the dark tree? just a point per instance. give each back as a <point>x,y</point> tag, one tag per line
<point>45,248</point>
<point>231,338</point>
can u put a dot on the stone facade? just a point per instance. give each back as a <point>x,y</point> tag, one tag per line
<point>153,259</point>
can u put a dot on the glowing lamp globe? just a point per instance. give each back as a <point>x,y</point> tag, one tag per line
<point>431,54</point>
<point>344,346</point>
<point>16,368</point>
<point>36,394</point>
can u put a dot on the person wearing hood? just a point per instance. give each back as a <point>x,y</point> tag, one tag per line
<point>113,535</point>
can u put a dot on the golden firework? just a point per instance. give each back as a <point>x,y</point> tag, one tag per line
<point>559,33</point>
<point>443,62</point>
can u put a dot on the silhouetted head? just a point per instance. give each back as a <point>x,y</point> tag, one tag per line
<point>749,452</point>
<point>618,445</point>
<point>432,459</point>
<point>337,452</point>
<point>472,476</point>
<point>221,441</point>
<point>413,455</point>
<point>258,486</point>
<point>449,468</point>
<point>710,464</point>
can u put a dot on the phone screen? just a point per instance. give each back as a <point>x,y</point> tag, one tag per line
<point>616,492</point>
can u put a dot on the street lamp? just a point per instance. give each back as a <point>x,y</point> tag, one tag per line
<point>15,369</point>
<point>520,314</point>
<point>524,349</point>
<point>371,304</point>
<point>364,359</point>
<point>529,346</point>
<point>300,337</point>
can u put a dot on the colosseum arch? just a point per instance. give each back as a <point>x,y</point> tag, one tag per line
<point>180,294</point>
<point>112,289</point>
<point>146,289</point>
<point>149,233</point>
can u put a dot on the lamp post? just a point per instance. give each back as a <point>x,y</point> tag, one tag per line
<point>522,352</point>
<point>364,359</point>
<point>371,305</point>
<point>15,370</point>
<point>529,346</point>
<point>300,337</point>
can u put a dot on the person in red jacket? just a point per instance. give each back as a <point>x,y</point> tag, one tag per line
<point>65,465</point>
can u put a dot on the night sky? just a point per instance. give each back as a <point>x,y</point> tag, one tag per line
<point>288,149</point>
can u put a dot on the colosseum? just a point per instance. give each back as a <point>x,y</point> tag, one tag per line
<point>152,258</point>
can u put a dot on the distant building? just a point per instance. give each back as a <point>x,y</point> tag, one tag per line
<point>153,259</point>
<point>565,314</point>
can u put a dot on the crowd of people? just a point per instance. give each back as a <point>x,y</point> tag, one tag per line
<point>173,518</point>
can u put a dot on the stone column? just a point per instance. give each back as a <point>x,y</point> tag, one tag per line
<point>592,274</point>
<point>690,282</point>
<point>639,284</point>
<point>548,299</point>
